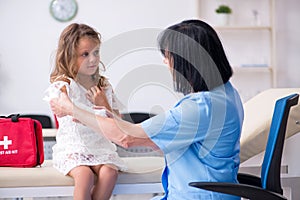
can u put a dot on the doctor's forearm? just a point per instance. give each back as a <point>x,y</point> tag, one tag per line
<point>85,117</point>
<point>118,131</point>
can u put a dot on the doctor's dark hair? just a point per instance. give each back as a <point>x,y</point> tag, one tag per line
<point>196,55</point>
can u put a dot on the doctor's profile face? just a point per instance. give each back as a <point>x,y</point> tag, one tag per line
<point>168,61</point>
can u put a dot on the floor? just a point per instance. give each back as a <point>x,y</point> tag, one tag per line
<point>286,193</point>
<point>114,197</point>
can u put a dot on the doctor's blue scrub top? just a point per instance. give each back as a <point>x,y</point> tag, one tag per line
<point>200,140</point>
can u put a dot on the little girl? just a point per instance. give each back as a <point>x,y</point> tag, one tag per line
<point>80,152</point>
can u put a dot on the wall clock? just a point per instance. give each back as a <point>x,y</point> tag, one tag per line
<point>63,10</point>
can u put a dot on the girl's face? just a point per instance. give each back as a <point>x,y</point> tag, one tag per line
<point>88,57</point>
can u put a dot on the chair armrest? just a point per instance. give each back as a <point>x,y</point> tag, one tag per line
<point>242,190</point>
<point>249,179</point>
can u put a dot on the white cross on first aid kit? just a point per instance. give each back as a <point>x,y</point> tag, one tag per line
<point>5,142</point>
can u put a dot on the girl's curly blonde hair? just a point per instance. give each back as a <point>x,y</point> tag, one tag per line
<point>65,60</point>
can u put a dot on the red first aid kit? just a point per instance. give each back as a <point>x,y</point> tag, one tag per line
<point>21,142</point>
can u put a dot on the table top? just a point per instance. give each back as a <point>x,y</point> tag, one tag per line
<point>49,132</point>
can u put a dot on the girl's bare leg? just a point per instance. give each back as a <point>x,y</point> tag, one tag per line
<point>84,180</point>
<point>106,180</point>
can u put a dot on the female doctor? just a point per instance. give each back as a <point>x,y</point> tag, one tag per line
<point>200,135</point>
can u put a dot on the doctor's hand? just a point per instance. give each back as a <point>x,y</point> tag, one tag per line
<point>62,106</point>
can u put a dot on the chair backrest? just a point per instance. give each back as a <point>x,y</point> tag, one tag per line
<point>44,119</point>
<point>136,117</point>
<point>270,172</point>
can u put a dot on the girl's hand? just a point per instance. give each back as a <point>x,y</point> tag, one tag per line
<point>62,106</point>
<point>97,96</point>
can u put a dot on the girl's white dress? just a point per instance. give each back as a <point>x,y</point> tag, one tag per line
<point>77,144</point>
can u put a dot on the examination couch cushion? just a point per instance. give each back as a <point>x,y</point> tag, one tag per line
<point>140,170</point>
<point>258,116</point>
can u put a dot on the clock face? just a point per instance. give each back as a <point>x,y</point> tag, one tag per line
<point>63,10</point>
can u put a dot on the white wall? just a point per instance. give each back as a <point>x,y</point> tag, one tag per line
<point>29,38</point>
<point>288,43</point>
